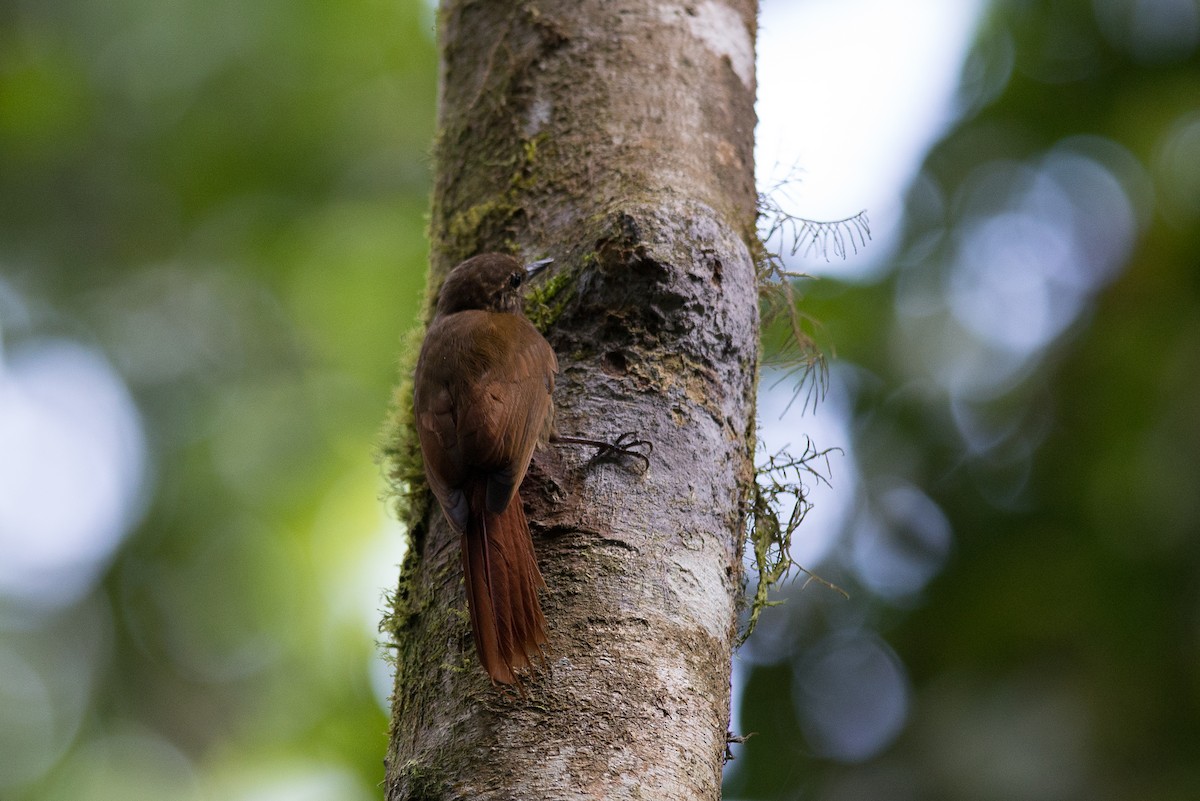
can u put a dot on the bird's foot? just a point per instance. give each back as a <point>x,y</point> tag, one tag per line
<point>628,445</point>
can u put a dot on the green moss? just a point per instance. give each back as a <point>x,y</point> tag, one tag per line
<point>523,177</point>
<point>489,221</point>
<point>779,483</point>
<point>400,450</point>
<point>404,471</point>
<point>464,225</point>
<point>424,781</point>
<point>403,604</point>
<point>546,303</point>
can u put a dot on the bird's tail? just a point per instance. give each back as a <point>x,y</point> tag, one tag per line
<point>502,580</point>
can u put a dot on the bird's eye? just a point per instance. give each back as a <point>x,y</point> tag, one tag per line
<point>515,280</point>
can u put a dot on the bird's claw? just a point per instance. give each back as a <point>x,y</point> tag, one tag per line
<point>629,444</point>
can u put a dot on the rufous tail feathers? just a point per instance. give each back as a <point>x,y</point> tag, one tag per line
<point>502,579</point>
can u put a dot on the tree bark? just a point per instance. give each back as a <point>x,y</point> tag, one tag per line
<point>615,136</point>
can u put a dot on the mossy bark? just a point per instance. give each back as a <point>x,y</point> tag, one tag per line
<point>615,136</point>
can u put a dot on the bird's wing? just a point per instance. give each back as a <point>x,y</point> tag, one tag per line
<point>482,401</point>
<point>510,408</point>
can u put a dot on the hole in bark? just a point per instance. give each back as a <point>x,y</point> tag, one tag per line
<point>614,363</point>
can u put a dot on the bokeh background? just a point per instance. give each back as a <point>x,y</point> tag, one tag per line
<point>212,245</point>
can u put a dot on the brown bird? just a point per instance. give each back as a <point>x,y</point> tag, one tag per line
<point>482,403</point>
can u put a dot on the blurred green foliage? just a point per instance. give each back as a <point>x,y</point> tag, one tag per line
<point>1055,654</point>
<point>227,201</point>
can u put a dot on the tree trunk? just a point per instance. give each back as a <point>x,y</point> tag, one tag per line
<point>615,136</point>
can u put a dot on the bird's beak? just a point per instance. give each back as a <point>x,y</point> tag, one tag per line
<point>535,267</point>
